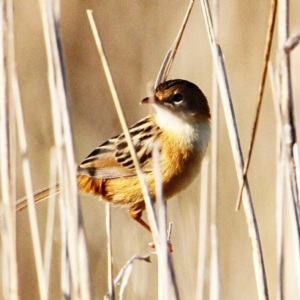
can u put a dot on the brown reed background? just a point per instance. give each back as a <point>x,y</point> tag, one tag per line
<point>136,36</point>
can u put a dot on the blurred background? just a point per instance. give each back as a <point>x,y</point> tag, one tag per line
<point>136,36</point>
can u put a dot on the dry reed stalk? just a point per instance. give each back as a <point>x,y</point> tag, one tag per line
<point>84,276</point>
<point>259,268</point>
<point>166,272</point>
<point>267,54</point>
<point>281,154</point>
<point>124,274</point>
<point>286,98</point>
<point>289,143</point>
<point>15,99</point>
<point>7,174</point>
<point>286,45</point>
<point>50,222</point>
<point>162,253</point>
<point>293,227</point>
<point>29,194</point>
<point>75,281</point>
<point>214,286</point>
<point>202,248</point>
<point>111,288</point>
<point>162,76</point>
<point>167,63</point>
<point>279,223</point>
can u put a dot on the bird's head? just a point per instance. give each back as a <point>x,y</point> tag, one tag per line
<point>180,98</point>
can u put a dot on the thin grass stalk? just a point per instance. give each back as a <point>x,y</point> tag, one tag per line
<point>64,145</point>
<point>162,253</point>
<point>149,204</point>
<point>267,54</point>
<point>65,263</point>
<point>285,86</point>
<point>86,291</point>
<point>173,277</point>
<point>293,227</point>
<point>296,156</point>
<point>280,183</point>
<point>8,221</point>
<point>202,248</point>
<point>125,281</point>
<point>70,193</point>
<point>259,268</point>
<point>4,160</point>
<point>287,169</point>
<point>27,177</point>
<point>11,121</point>
<point>66,284</point>
<point>110,266</point>
<point>287,47</point>
<point>7,122</point>
<point>124,274</point>
<point>50,221</point>
<point>214,286</point>
<point>162,76</point>
<point>290,132</point>
<point>167,63</point>
<point>29,194</point>
<point>289,173</point>
<point>279,223</point>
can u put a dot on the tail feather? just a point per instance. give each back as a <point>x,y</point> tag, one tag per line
<point>38,196</point>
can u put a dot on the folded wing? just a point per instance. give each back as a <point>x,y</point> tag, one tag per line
<point>112,159</point>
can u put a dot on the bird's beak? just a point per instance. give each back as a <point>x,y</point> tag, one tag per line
<point>150,100</point>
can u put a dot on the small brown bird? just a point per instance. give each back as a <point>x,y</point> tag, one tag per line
<point>181,125</point>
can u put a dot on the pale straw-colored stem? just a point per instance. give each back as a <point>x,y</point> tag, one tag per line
<point>50,222</point>
<point>110,267</point>
<point>214,287</point>
<point>281,154</point>
<point>267,54</point>
<point>202,244</point>
<point>162,253</point>
<point>7,117</point>
<point>167,63</point>
<point>259,267</point>
<point>123,276</point>
<point>28,185</point>
<point>289,142</point>
<point>74,265</point>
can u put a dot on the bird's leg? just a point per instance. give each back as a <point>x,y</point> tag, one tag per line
<point>137,216</point>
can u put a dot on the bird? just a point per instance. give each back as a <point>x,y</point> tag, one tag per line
<point>181,126</point>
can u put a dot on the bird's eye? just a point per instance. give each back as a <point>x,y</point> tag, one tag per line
<point>177,98</point>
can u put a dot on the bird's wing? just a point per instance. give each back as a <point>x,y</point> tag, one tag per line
<point>113,160</point>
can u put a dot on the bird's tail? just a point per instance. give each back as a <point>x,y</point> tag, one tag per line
<point>38,196</point>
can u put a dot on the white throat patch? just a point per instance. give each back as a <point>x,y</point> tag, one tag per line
<point>196,134</point>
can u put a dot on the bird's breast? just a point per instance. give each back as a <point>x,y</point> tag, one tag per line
<point>181,156</point>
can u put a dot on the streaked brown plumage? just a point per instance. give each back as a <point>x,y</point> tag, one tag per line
<point>181,125</point>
